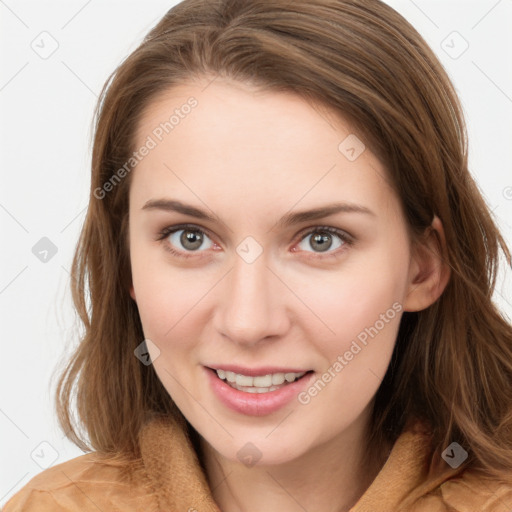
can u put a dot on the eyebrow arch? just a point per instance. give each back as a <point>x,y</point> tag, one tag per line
<point>287,220</point>
<point>171,205</point>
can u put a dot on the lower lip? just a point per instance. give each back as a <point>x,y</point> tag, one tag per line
<point>256,404</point>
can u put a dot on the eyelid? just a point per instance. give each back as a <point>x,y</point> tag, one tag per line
<point>345,237</point>
<point>330,229</point>
<point>169,230</point>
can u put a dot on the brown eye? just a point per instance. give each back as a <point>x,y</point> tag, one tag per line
<point>191,239</point>
<point>323,240</point>
<point>181,240</point>
<point>188,239</point>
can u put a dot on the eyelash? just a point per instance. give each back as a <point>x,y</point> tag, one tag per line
<point>344,237</point>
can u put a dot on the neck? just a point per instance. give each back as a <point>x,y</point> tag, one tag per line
<point>329,477</point>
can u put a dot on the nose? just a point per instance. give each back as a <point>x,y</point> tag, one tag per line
<point>252,307</point>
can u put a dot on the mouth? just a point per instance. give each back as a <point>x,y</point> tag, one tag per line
<point>256,391</point>
<point>264,382</point>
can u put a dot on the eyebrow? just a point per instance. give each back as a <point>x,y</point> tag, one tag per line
<point>287,220</point>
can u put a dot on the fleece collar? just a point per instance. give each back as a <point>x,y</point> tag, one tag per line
<point>180,483</point>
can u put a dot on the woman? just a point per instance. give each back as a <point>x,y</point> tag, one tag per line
<point>285,277</point>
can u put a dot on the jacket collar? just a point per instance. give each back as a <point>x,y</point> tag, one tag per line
<point>180,483</point>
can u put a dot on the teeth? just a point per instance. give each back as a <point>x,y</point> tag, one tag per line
<point>277,379</point>
<point>259,384</point>
<point>244,380</point>
<point>259,390</point>
<point>262,382</point>
<point>254,389</point>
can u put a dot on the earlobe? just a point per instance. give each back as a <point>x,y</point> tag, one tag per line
<point>429,270</point>
<point>132,293</point>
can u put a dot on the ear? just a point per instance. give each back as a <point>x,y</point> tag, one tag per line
<point>429,271</point>
<point>132,293</point>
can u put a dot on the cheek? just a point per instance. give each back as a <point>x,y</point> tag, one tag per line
<point>166,296</point>
<point>167,303</point>
<point>363,309</point>
<point>355,297</point>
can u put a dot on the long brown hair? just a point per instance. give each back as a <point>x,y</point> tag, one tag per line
<point>452,364</point>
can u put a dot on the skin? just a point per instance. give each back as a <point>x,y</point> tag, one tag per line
<point>251,156</point>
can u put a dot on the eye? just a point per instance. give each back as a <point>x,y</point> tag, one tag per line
<point>324,239</point>
<point>185,240</point>
<point>180,240</point>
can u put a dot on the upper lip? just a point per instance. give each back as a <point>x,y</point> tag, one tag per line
<point>255,372</point>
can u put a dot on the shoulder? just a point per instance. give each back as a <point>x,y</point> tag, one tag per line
<point>467,492</point>
<point>471,492</point>
<point>89,482</point>
<point>437,487</point>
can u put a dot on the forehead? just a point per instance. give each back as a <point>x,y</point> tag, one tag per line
<point>229,108</point>
<point>223,136</point>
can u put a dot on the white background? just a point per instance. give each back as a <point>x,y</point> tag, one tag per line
<point>46,113</point>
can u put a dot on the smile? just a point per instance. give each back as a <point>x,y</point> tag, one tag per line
<point>259,384</point>
<point>262,393</point>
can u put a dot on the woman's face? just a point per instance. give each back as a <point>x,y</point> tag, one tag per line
<point>261,281</point>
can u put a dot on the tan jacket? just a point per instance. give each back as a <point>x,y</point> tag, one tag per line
<point>169,478</point>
